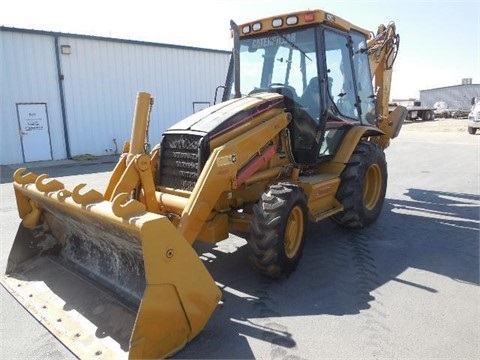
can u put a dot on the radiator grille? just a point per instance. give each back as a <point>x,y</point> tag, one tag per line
<point>180,161</point>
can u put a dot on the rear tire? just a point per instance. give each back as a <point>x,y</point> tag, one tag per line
<point>278,229</point>
<point>472,130</point>
<point>427,115</point>
<point>363,184</point>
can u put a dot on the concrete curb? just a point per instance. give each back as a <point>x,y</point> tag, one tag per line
<point>6,171</point>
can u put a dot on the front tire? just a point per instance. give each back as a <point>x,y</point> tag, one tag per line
<point>278,229</point>
<point>363,185</point>
<point>472,130</point>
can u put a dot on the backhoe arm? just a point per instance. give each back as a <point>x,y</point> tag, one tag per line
<point>382,51</point>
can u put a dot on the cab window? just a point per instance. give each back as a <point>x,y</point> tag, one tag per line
<point>361,67</point>
<point>340,75</point>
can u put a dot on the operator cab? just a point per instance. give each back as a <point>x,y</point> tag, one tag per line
<point>323,74</point>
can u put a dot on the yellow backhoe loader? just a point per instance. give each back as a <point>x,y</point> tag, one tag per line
<point>298,136</point>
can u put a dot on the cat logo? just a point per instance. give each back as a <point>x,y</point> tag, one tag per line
<point>329,17</point>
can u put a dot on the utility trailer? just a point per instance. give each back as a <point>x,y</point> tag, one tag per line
<point>415,110</point>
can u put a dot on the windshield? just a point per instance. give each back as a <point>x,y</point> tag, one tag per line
<point>279,60</point>
<point>288,60</point>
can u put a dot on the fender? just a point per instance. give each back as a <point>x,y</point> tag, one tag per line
<point>347,147</point>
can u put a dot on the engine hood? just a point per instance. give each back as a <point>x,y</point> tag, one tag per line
<point>222,117</point>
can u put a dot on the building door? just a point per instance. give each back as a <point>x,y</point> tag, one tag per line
<point>34,131</point>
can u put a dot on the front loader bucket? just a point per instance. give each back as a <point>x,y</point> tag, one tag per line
<point>107,278</point>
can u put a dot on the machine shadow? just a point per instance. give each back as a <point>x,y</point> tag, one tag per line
<point>340,270</point>
<point>338,275</point>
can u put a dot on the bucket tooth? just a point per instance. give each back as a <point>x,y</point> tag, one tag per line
<point>63,194</point>
<point>122,207</point>
<point>21,177</point>
<point>48,186</point>
<point>91,196</point>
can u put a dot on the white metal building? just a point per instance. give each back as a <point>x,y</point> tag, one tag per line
<point>457,97</point>
<point>63,95</point>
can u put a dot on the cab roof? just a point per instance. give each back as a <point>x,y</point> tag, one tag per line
<point>297,19</point>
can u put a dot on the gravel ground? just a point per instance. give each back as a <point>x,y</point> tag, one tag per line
<point>437,125</point>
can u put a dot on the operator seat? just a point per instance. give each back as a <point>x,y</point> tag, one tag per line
<point>304,125</point>
<point>310,98</point>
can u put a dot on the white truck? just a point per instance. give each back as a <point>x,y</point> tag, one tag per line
<point>441,109</point>
<point>474,117</point>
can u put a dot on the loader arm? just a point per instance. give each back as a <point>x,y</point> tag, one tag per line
<point>134,168</point>
<point>221,172</point>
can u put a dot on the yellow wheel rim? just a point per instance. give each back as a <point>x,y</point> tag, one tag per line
<point>373,186</point>
<point>294,232</point>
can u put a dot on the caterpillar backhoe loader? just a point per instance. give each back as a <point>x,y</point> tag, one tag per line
<point>298,136</point>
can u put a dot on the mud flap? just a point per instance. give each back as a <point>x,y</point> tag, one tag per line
<point>108,279</point>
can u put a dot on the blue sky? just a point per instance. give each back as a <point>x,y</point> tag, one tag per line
<point>439,40</point>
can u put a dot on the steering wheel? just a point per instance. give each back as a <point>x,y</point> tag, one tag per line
<point>272,85</point>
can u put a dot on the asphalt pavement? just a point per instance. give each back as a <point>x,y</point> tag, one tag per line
<point>406,287</point>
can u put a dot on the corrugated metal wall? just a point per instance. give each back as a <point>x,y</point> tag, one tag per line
<point>28,75</point>
<point>457,97</point>
<point>101,78</point>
